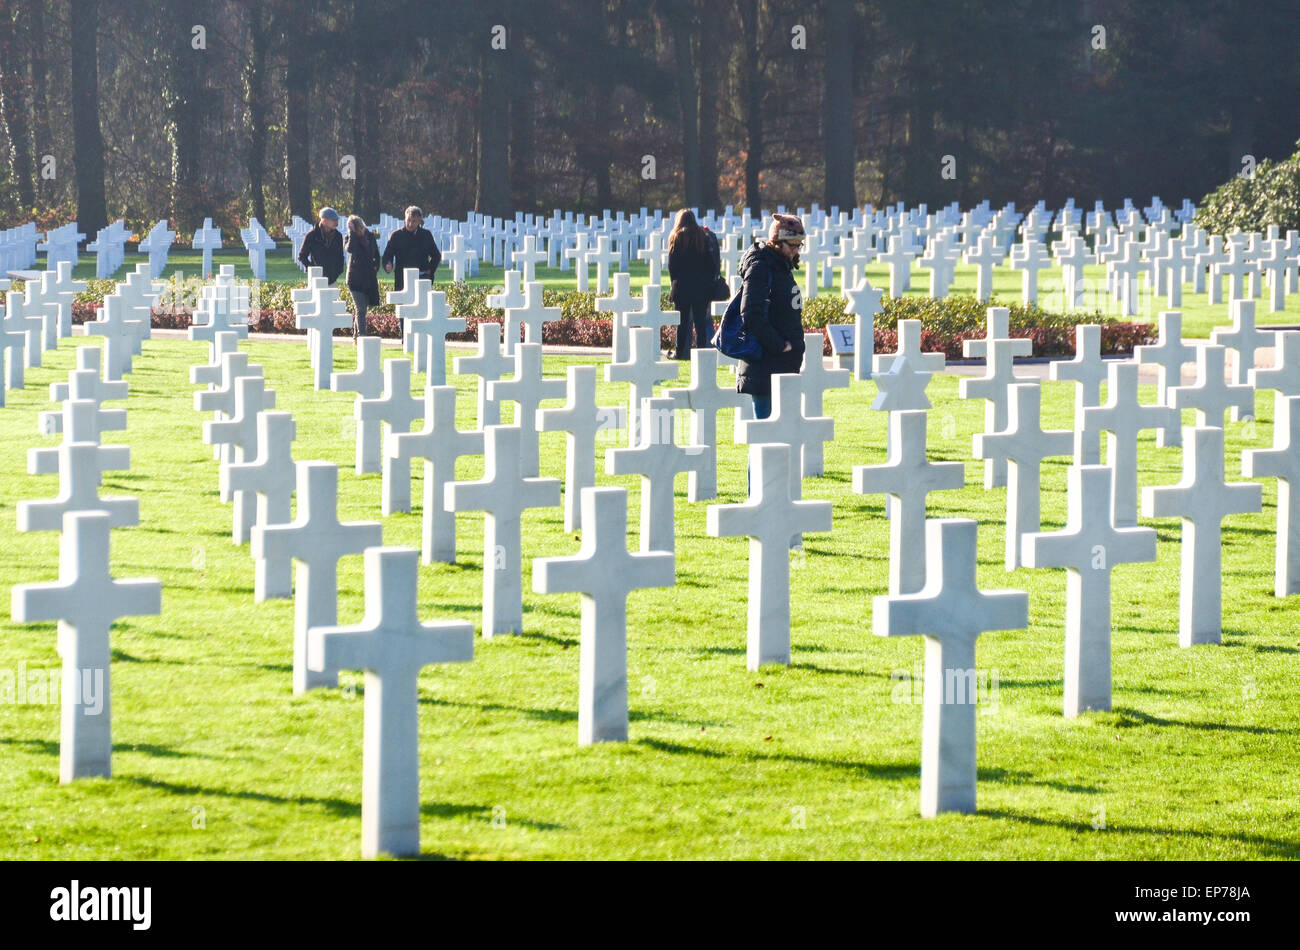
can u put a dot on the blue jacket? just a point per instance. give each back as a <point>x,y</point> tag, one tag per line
<point>771,307</point>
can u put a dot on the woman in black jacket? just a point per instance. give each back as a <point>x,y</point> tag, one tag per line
<point>692,267</point>
<point>363,266</point>
<point>771,308</point>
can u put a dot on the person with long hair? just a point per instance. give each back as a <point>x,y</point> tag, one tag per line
<point>363,270</point>
<point>693,261</point>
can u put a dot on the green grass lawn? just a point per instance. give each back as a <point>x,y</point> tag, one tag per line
<point>1199,317</point>
<point>216,759</point>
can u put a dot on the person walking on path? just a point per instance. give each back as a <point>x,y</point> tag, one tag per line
<point>411,246</point>
<point>771,308</point>
<point>363,268</point>
<point>322,246</point>
<point>693,265</point>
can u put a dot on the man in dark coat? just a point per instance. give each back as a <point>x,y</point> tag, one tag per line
<point>322,246</point>
<point>771,308</point>
<point>411,246</point>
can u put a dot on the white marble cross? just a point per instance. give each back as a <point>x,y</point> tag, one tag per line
<point>1168,356</point>
<point>703,399</point>
<point>79,422</point>
<point>85,383</point>
<point>206,239</point>
<point>458,256</point>
<point>510,298</point>
<point>406,303</point>
<point>1211,396</point>
<point>1282,462</point>
<point>239,433</point>
<point>618,305</point>
<point>814,380</point>
<point>220,399</point>
<point>907,476</point>
<point>1023,444</point>
<point>416,314</point>
<point>604,572</point>
<point>528,256</point>
<point>984,255</point>
<point>1122,418</point>
<point>396,409</point>
<point>13,342</point>
<point>268,474</point>
<point>330,314</point>
<point>580,419</point>
<point>651,314</point>
<point>1030,257</point>
<point>392,645</point>
<point>950,612</point>
<point>641,371</point>
<point>58,286</point>
<point>530,316</point>
<point>209,374</point>
<point>113,325</point>
<point>1283,377</point>
<point>863,302</point>
<point>788,425</point>
<point>86,601</point>
<point>658,459</point>
<point>604,257</point>
<point>367,381</point>
<point>1243,339</point>
<point>899,259</point>
<point>998,349</point>
<point>579,255</point>
<point>528,389</point>
<point>489,364</point>
<point>79,476</point>
<point>502,495</point>
<point>317,540</point>
<point>439,444</point>
<point>771,519</point>
<point>1087,371</point>
<point>1089,546</point>
<point>438,324</point>
<point>1202,499</point>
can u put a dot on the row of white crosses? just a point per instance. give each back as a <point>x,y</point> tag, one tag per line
<point>109,248</point>
<point>1101,531</point>
<point>34,321</point>
<point>86,600</point>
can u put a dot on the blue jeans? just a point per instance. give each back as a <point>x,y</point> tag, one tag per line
<point>762,410</point>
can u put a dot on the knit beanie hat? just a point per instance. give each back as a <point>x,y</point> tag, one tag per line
<point>785,227</point>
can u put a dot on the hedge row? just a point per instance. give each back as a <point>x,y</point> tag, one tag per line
<point>1049,341</point>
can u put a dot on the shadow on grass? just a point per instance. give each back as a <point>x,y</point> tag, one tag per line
<point>837,672</point>
<point>1278,847</point>
<point>549,638</point>
<point>888,771</point>
<point>449,810</point>
<point>560,715</point>
<point>336,806</point>
<point>1132,717</point>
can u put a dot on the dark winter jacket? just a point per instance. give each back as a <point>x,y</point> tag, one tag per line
<point>324,252</point>
<point>692,272</point>
<point>771,307</point>
<point>418,250</point>
<point>363,265</point>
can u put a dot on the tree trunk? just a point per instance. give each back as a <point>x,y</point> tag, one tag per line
<point>493,197</point>
<point>522,116</point>
<point>187,108</point>
<point>709,79</point>
<point>752,86</point>
<point>838,102</point>
<point>88,141</point>
<point>297,139</point>
<point>12,95</point>
<point>43,140</point>
<point>368,206</point>
<point>687,97</point>
<point>255,93</point>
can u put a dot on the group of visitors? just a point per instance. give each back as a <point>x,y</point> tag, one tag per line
<point>771,305</point>
<point>410,246</point>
